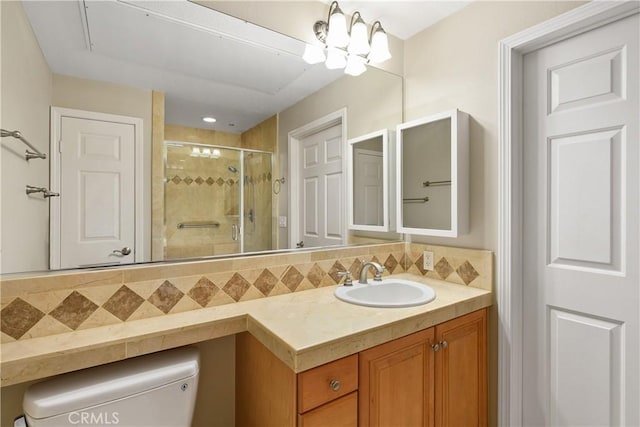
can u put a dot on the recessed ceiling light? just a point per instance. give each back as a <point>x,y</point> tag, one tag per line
<point>209,119</point>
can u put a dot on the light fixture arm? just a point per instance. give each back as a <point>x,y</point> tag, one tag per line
<point>321,28</point>
<point>373,30</point>
<point>356,15</point>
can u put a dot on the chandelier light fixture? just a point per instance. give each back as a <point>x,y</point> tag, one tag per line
<point>350,49</point>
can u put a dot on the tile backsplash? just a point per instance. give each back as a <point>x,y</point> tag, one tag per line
<point>63,302</point>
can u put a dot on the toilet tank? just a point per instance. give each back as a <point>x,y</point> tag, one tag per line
<point>153,390</point>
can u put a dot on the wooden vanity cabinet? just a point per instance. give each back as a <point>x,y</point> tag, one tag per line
<point>433,377</point>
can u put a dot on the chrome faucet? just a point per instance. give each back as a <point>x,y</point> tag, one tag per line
<point>365,269</point>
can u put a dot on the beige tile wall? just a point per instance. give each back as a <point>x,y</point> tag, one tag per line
<point>63,302</point>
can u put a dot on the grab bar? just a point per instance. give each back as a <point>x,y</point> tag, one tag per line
<point>199,224</point>
<point>35,154</point>
<point>430,183</point>
<point>417,199</point>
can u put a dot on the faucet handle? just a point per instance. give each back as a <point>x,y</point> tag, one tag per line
<point>378,274</point>
<point>347,277</point>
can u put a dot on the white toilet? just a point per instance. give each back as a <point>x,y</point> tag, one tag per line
<point>153,390</point>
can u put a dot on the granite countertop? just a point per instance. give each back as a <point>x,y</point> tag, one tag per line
<point>303,329</point>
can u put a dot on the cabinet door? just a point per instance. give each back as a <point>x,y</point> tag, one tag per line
<point>396,382</point>
<point>341,412</point>
<point>461,373</point>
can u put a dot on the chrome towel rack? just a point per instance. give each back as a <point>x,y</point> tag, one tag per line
<point>198,224</point>
<point>35,154</point>
<point>435,183</point>
<point>417,199</point>
<point>45,192</point>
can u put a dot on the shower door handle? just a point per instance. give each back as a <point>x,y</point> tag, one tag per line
<point>234,231</point>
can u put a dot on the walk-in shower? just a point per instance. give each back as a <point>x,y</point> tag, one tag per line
<point>206,189</point>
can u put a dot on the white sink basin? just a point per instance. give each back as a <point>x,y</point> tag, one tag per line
<point>387,293</point>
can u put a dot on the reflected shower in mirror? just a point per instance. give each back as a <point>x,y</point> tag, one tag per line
<point>168,64</point>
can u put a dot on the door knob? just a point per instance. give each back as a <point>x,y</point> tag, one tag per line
<point>122,252</point>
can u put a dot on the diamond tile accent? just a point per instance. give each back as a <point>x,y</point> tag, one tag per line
<point>199,180</point>
<point>236,287</point>
<point>230,181</point>
<point>420,264</point>
<point>73,310</point>
<point>335,269</point>
<point>166,297</point>
<point>219,181</point>
<point>269,176</point>
<point>391,263</point>
<point>355,268</point>
<point>315,275</point>
<point>18,317</point>
<point>292,278</point>
<point>210,181</point>
<point>203,291</point>
<point>123,303</point>
<point>467,273</point>
<point>176,179</point>
<point>265,282</point>
<point>188,180</point>
<point>443,268</point>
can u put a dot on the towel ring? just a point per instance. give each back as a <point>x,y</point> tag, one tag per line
<point>277,184</point>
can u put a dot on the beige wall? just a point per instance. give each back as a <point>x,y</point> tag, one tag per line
<point>26,96</point>
<point>454,64</point>
<point>373,101</point>
<point>110,98</point>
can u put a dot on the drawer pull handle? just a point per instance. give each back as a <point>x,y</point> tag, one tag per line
<point>335,385</point>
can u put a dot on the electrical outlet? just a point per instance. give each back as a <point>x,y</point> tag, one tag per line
<point>427,260</point>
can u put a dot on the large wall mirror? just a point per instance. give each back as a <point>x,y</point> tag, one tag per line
<point>432,175</point>
<point>206,188</point>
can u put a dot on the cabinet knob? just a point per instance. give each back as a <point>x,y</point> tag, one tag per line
<point>335,385</point>
<point>443,344</point>
<point>435,346</point>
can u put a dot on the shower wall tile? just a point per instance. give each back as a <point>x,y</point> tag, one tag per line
<point>157,290</point>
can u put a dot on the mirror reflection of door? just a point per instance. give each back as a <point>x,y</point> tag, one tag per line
<point>321,193</point>
<point>94,220</point>
<point>368,187</point>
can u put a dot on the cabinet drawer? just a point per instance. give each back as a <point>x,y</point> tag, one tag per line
<point>339,413</point>
<point>315,385</point>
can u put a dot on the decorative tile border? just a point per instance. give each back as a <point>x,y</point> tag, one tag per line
<point>150,291</point>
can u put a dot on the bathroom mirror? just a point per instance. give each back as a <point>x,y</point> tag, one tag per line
<point>369,159</point>
<point>432,175</point>
<point>251,77</point>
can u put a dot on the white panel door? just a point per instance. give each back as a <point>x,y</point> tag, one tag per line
<point>581,213</point>
<point>97,197</point>
<point>368,182</point>
<point>322,191</point>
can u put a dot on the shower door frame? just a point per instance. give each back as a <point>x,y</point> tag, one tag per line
<point>240,174</point>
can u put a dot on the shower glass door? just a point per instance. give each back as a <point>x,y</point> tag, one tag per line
<point>202,200</point>
<point>257,201</point>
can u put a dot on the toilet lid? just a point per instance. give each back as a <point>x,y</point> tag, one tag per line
<point>95,386</point>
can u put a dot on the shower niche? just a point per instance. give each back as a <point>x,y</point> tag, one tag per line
<point>218,200</point>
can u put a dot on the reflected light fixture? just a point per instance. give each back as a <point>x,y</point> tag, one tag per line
<point>351,49</point>
<point>209,119</point>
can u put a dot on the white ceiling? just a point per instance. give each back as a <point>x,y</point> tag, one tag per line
<point>207,63</point>
<point>403,19</point>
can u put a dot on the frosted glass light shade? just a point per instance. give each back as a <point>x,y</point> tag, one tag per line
<point>313,54</point>
<point>195,152</point>
<point>379,47</point>
<point>359,44</point>
<point>355,65</point>
<point>335,59</point>
<point>337,36</point>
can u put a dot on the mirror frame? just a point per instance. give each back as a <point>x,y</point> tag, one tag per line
<point>459,174</point>
<point>386,183</point>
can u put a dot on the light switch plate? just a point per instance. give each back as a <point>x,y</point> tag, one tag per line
<point>282,221</point>
<point>427,260</point>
